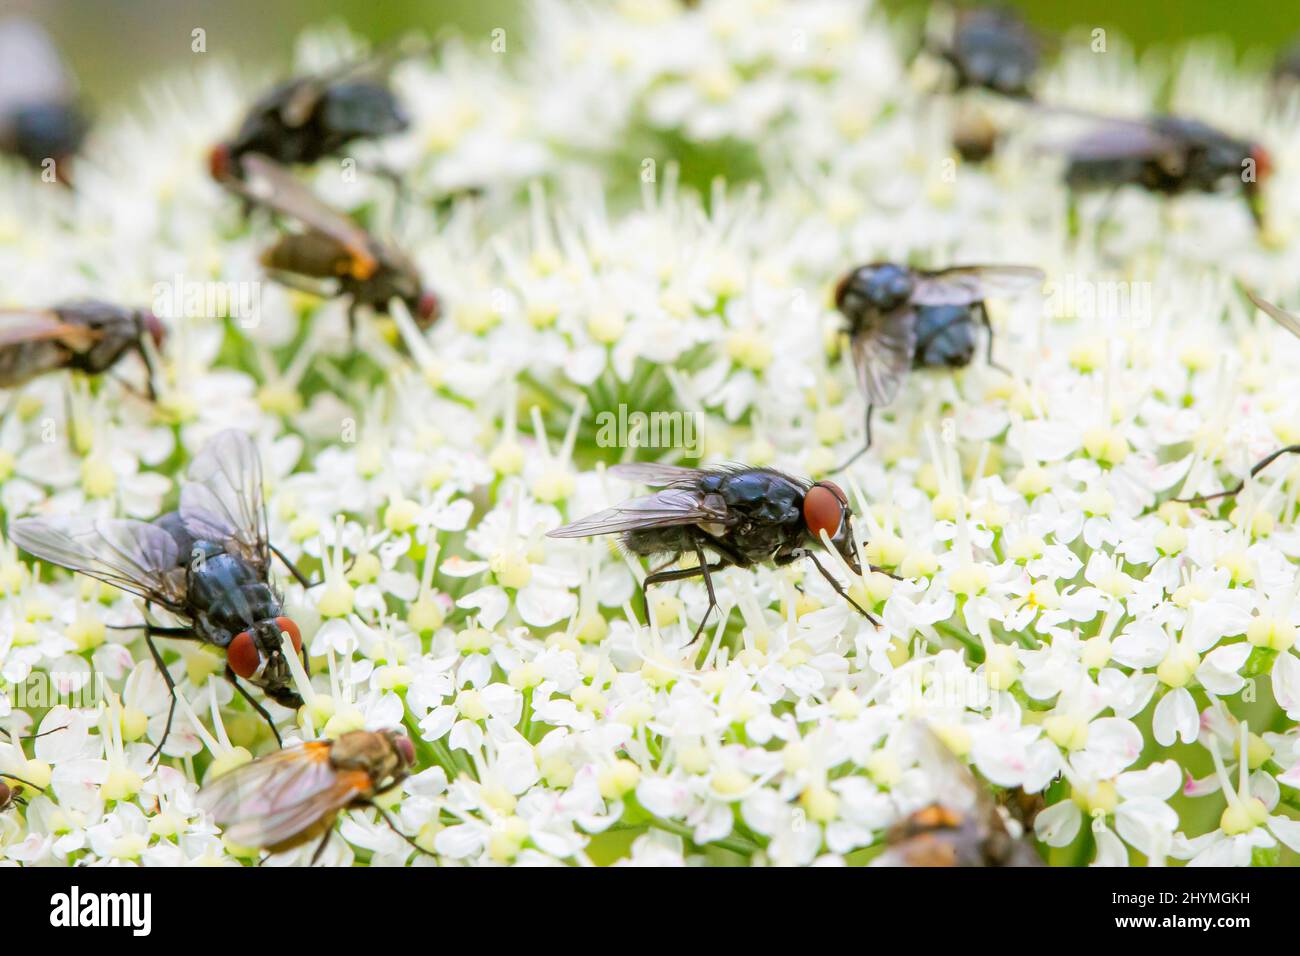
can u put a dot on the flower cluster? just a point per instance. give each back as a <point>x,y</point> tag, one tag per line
<point>1061,623</point>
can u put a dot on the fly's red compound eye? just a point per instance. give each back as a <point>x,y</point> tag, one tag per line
<point>290,628</point>
<point>219,162</point>
<point>823,509</point>
<point>6,793</point>
<point>242,655</point>
<point>839,492</point>
<point>1263,162</point>
<point>405,748</point>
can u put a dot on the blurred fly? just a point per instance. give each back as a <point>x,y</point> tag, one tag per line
<point>1168,155</point>
<point>743,516</point>
<point>86,336</point>
<point>966,829</point>
<point>291,796</point>
<point>207,563</point>
<point>331,249</point>
<point>308,118</point>
<point>899,318</point>
<point>992,48</point>
<point>40,119</point>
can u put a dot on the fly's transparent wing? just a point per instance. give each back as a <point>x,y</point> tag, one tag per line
<point>673,506</point>
<point>222,499</point>
<point>965,285</point>
<point>276,797</point>
<point>1121,138</point>
<point>34,325</point>
<point>882,355</point>
<point>132,555</point>
<point>271,185</point>
<point>31,70</point>
<point>653,474</point>
<point>1282,317</point>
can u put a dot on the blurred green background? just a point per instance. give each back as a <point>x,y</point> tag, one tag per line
<point>116,44</point>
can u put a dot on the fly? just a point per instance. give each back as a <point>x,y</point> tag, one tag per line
<point>743,516</point>
<point>207,563</point>
<point>899,318</point>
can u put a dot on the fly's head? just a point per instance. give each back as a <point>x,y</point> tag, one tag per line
<point>826,508</point>
<point>257,656</point>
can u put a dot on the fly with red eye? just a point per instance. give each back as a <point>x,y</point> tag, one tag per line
<point>284,799</point>
<point>208,564</point>
<point>741,516</point>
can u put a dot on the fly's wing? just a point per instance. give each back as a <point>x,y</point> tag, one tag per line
<point>18,326</point>
<point>269,184</point>
<point>31,70</point>
<point>966,285</point>
<point>276,797</point>
<point>222,498</point>
<point>882,354</point>
<point>1283,318</point>
<point>1119,138</point>
<point>673,506</point>
<point>132,555</point>
<point>654,474</point>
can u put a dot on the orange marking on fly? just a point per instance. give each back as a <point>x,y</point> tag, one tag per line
<point>361,265</point>
<point>937,817</point>
<point>823,508</point>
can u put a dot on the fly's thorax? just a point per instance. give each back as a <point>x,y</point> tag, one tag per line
<point>383,755</point>
<point>872,290</point>
<point>945,336</point>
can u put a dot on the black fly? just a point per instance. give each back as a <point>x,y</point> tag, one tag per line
<point>744,516</point>
<point>40,119</point>
<point>901,318</point>
<point>88,336</point>
<point>992,48</point>
<point>332,255</point>
<point>207,563</point>
<point>1167,155</point>
<point>308,118</point>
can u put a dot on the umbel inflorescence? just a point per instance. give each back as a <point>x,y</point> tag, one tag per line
<point>636,221</point>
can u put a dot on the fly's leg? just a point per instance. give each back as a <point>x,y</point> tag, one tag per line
<point>252,702</point>
<point>320,847</point>
<point>149,632</point>
<point>984,318</point>
<point>298,575</point>
<point>293,569</point>
<point>702,570</point>
<point>863,450</point>
<point>667,564</point>
<point>392,825</point>
<point>708,584</point>
<point>839,589</point>
<point>1229,492</point>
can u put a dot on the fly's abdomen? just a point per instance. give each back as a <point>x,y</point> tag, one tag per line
<point>945,336</point>
<point>648,541</point>
<point>23,361</point>
<point>230,591</point>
